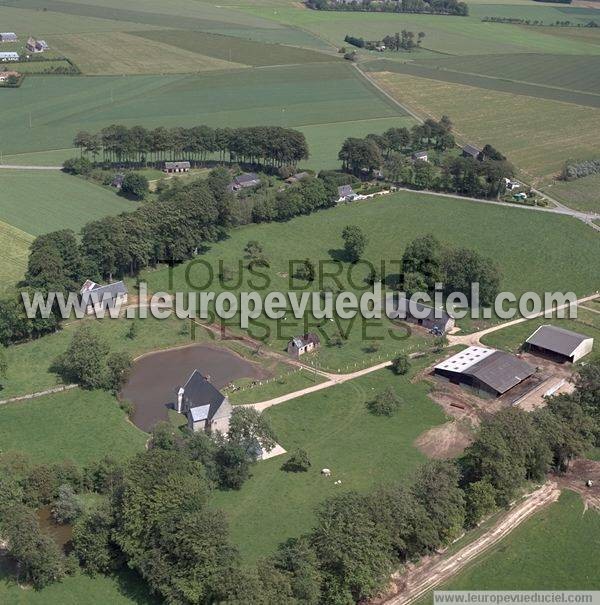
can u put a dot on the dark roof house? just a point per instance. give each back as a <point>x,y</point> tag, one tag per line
<point>346,193</point>
<point>244,181</point>
<point>8,37</point>
<point>486,370</point>
<point>560,344</point>
<point>438,320</point>
<point>177,166</point>
<point>205,406</point>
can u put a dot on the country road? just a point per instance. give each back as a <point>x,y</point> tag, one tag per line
<point>433,571</point>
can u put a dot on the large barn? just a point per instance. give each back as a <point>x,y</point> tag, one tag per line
<point>488,371</point>
<point>559,344</point>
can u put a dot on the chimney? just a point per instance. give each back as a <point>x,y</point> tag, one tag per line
<point>180,392</point>
<point>207,377</point>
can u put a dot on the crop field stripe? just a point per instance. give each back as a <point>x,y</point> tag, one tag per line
<point>539,91</point>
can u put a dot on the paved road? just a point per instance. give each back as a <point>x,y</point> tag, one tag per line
<point>21,167</point>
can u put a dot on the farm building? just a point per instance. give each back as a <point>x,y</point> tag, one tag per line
<point>559,344</point>
<point>9,56</point>
<point>99,298</point>
<point>247,180</point>
<point>206,408</point>
<point>470,151</point>
<point>418,313</point>
<point>117,181</point>
<point>296,177</point>
<point>488,371</point>
<point>8,37</point>
<point>173,167</point>
<point>420,155</point>
<point>4,75</point>
<point>346,193</point>
<point>303,344</point>
<point>36,46</point>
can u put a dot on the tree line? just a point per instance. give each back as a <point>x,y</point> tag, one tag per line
<point>146,508</point>
<point>435,7</point>
<point>404,40</point>
<point>261,145</point>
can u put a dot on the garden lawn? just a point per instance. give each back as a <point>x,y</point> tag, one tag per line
<point>41,201</point>
<point>556,549</point>
<point>337,431</point>
<point>537,135</point>
<point>78,425</point>
<point>291,96</point>
<point>14,244</point>
<point>511,339</point>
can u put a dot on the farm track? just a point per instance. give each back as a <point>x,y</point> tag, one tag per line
<point>422,578</point>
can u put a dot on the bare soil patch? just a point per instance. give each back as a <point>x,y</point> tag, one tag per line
<point>446,441</point>
<point>155,377</point>
<point>581,471</point>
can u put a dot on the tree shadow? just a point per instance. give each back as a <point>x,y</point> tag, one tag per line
<point>338,255</point>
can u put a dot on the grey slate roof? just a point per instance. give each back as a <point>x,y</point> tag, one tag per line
<point>345,191</point>
<point>173,165</point>
<point>419,155</point>
<point>403,308</point>
<point>202,398</point>
<point>8,37</point>
<point>501,371</point>
<point>472,150</point>
<point>557,340</point>
<point>107,293</point>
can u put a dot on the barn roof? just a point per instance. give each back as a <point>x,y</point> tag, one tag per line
<point>107,293</point>
<point>557,340</point>
<point>498,370</point>
<point>403,308</point>
<point>184,164</point>
<point>472,150</point>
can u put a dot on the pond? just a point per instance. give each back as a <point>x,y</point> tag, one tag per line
<point>156,377</point>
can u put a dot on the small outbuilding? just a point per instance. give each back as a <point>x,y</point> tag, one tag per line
<point>559,344</point>
<point>299,345</point>
<point>437,320</point>
<point>346,194</point>
<point>470,151</point>
<point>420,155</point>
<point>36,46</point>
<point>487,371</point>
<point>175,167</point>
<point>4,75</point>
<point>97,298</point>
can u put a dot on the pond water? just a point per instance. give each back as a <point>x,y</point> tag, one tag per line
<point>155,378</point>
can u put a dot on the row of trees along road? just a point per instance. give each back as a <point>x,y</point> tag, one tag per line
<point>261,145</point>
<point>154,513</point>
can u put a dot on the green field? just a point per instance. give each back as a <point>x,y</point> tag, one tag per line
<point>511,339</point>
<point>573,72</point>
<point>556,549</point>
<point>228,48</point>
<point>78,425</point>
<point>338,432</point>
<point>537,135</point>
<point>582,194</point>
<point>41,201</point>
<point>15,246</point>
<point>510,236</point>
<point>306,95</point>
<point>38,67</point>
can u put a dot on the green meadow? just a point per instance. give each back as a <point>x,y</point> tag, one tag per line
<point>339,433</point>
<point>41,201</point>
<point>47,111</point>
<point>14,244</point>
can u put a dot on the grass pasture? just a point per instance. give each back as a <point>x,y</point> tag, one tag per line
<point>338,432</point>
<point>556,549</point>
<point>41,201</point>
<point>582,194</point>
<point>78,425</point>
<point>123,53</point>
<point>293,96</point>
<point>537,135</point>
<point>14,244</point>
<point>38,67</point>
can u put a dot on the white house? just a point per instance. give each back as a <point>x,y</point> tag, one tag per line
<point>299,345</point>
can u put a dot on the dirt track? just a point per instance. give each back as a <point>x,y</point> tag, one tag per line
<point>433,571</point>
